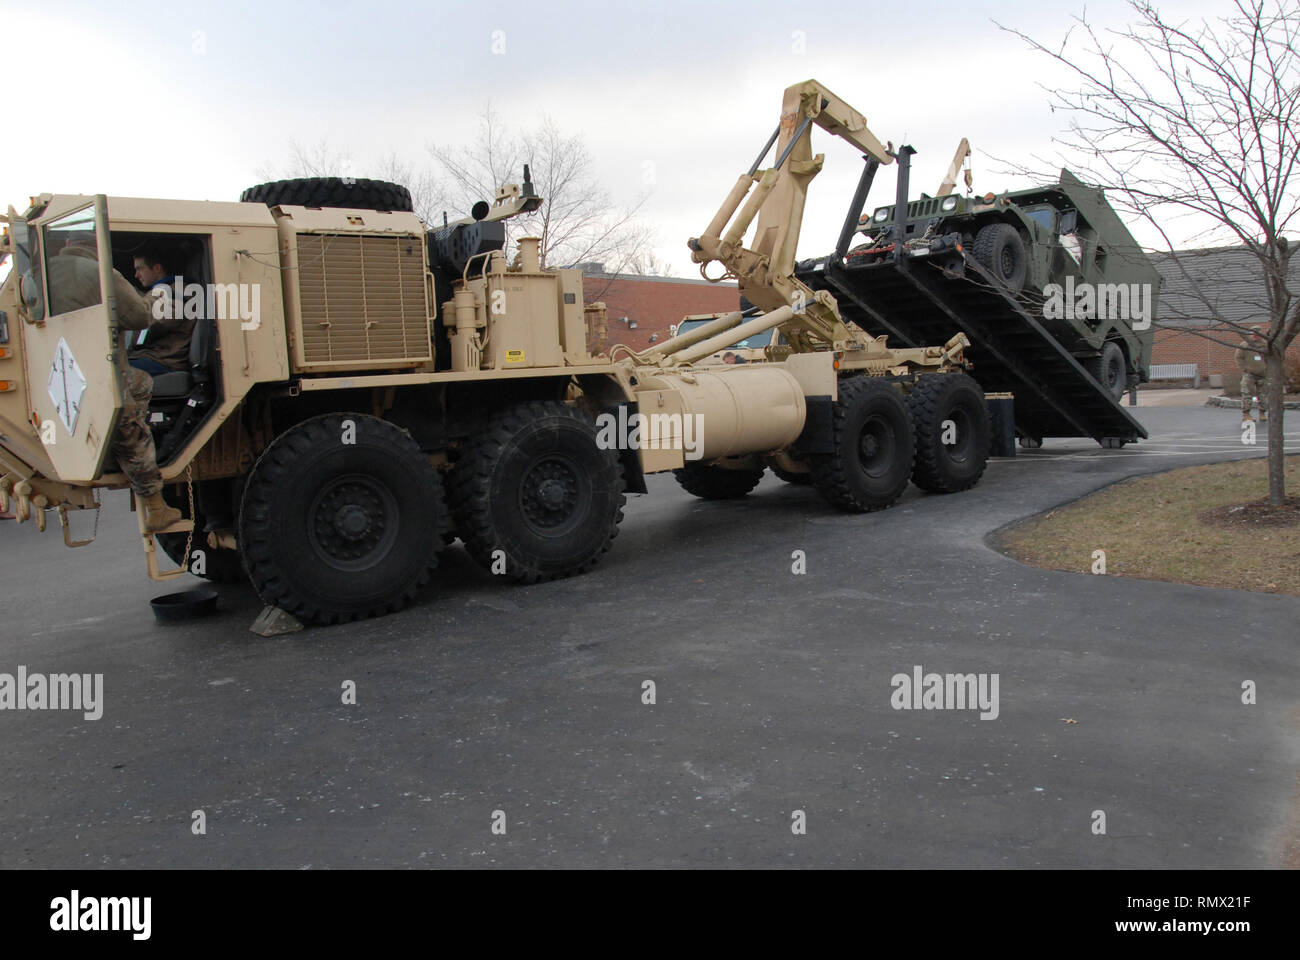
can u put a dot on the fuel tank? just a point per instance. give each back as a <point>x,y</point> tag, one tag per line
<point>732,410</point>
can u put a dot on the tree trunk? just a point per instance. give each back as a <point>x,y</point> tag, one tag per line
<point>1276,453</point>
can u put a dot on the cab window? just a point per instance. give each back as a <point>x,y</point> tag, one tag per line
<point>71,262</point>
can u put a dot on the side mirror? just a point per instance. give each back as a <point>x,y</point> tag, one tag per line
<point>1069,222</point>
<point>29,292</point>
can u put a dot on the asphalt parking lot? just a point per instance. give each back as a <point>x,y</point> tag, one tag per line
<point>773,695</point>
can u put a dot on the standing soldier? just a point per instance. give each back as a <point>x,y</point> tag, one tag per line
<point>74,271</point>
<point>1254,375</point>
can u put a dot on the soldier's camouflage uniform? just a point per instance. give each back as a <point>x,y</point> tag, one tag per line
<point>133,444</point>
<point>74,272</point>
<point>1254,376</point>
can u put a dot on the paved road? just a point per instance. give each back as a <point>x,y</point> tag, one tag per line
<point>773,694</point>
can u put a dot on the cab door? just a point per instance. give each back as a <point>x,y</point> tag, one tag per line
<point>71,337</point>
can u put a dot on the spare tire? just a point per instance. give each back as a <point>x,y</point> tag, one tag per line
<point>349,193</point>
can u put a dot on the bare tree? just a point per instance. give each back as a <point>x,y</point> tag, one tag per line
<point>1193,126</point>
<point>578,223</point>
<point>474,171</point>
<point>426,192</point>
<point>646,264</point>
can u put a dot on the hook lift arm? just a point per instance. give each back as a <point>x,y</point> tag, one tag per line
<point>766,273</point>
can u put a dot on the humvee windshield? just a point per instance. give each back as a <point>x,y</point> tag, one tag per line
<point>1045,217</point>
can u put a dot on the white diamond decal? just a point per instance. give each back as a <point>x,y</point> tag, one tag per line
<point>67,385</point>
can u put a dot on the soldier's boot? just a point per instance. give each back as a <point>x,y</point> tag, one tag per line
<point>158,515</point>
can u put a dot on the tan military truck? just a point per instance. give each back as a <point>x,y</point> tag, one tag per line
<point>362,388</point>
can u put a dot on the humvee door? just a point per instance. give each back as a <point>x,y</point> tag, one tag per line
<point>71,350</point>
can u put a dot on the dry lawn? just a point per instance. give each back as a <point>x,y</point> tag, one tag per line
<point>1204,525</point>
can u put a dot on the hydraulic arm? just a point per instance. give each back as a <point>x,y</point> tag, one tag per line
<point>775,196</point>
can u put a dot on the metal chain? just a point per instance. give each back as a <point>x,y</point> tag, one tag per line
<point>189,537</point>
<point>924,238</point>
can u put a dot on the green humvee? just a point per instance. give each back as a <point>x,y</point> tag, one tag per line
<point>1060,247</point>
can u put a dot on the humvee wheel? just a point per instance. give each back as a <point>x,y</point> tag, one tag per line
<point>1108,369</point>
<point>999,249</point>
<point>952,404</point>
<point>337,192</point>
<point>710,482</point>
<point>873,448</point>
<point>536,495</point>
<point>340,519</point>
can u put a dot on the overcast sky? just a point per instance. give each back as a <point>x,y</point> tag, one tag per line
<point>191,100</point>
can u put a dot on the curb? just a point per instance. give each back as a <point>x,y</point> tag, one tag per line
<point>1235,403</point>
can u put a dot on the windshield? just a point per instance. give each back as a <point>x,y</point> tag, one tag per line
<point>1045,217</point>
<point>756,342</point>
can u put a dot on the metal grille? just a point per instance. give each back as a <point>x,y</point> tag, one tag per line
<point>922,208</point>
<point>362,298</point>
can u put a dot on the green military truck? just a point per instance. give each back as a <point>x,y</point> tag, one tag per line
<point>1054,294</point>
<point>1062,238</point>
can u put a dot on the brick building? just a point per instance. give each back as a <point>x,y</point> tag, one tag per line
<point>1202,286</point>
<point>653,303</point>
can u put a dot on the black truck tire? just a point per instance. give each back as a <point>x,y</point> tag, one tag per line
<point>709,482</point>
<point>534,495</point>
<point>873,448</point>
<point>937,400</point>
<point>341,192</point>
<point>1001,252</point>
<point>341,519</point>
<point>1108,369</point>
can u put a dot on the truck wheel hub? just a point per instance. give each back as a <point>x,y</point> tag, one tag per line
<point>875,447</point>
<point>963,443</point>
<point>550,493</point>
<point>350,521</point>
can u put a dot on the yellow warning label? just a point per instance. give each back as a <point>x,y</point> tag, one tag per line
<point>514,356</point>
